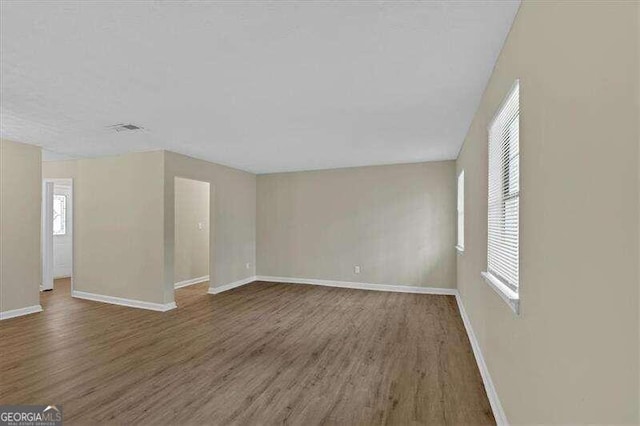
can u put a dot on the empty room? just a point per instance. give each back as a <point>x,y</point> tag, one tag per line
<point>320,212</point>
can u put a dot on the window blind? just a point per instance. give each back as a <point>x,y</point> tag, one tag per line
<point>461,210</point>
<point>504,192</point>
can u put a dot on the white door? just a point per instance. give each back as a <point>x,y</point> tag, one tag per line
<point>62,230</point>
<point>47,236</point>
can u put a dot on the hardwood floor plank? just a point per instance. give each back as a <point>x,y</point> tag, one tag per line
<point>263,353</point>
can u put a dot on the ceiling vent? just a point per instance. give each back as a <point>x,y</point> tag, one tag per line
<point>125,127</point>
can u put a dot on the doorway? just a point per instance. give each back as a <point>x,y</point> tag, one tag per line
<point>192,236</point>
<point>57,234</point>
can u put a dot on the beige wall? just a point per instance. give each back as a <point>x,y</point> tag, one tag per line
<point>20,199</point>
<point>232,215</point>
<point>67,169</point>
<point>571,357</point>
<point>125,219</point>
<point>191,229</point>
<point>396,222</point>
<point>119,224</point>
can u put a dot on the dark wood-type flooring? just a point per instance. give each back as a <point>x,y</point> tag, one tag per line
<point>263,353</point>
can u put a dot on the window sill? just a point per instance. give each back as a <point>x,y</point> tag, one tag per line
<point>511,297</point>
<point>460,249</point>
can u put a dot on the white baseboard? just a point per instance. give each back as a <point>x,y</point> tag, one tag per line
<point>220,289</point>
<point>131,303</point>
<point>20,312</point>
<point>342,284</point>
<point>193,281</point>
<point>496,406</point>
<point>361,286</point>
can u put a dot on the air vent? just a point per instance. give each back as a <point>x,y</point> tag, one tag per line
<point>125,127</point>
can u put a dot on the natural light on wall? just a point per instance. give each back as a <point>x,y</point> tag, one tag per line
<point>503,256</point>
<point>460,245</point>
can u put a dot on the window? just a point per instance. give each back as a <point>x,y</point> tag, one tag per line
<point>460,245</point>
<point>59,215</point>
<point>503,257</point>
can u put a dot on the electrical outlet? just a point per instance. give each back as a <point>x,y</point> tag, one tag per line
<point>200,225</point>
<point>356,269</point>
<point>247,266</point>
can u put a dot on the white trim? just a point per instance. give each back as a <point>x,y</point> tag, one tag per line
<point>511,297</point>
<point>192,281</point>
<point>20,312</point>
<point>131,303</point>
<point>341,284</point>
<point>361,286</point>
<point>496,406</point>
<point>239,283</point>
<point>46,235</point>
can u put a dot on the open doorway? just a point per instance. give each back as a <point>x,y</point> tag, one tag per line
<point>57,235</point>
<point>192,237</point>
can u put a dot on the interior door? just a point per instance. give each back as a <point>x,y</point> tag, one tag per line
<point>62,230</point>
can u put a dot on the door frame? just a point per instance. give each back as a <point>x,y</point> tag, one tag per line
<point>46,226</point>
<point>49,235</point>
<point>211,227</point>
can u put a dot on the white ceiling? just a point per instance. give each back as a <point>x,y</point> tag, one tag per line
<point>263,86</point>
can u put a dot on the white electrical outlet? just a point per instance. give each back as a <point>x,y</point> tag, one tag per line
<point>356,269</point>
<point>201,225</point>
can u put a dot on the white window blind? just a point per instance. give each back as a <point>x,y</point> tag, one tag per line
<point>503,255</point>
<point>461,211</point>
